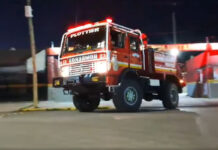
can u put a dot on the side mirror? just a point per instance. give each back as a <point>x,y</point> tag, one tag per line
<point>142,47</point>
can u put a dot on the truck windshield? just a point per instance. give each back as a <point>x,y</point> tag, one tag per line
<point>90,39</point>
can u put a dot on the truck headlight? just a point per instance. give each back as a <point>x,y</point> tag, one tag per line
<point>101,67</point>
<point>65,71</point>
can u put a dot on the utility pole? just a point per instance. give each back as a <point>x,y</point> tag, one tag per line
<point>29,16</point>
<point>76,13</point>
<point>174,27</point>
<point>174,23</point>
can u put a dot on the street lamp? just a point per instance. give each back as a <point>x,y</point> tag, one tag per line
<point>174,52</point>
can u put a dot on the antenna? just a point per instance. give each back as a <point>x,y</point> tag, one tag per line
<point>52,44</point>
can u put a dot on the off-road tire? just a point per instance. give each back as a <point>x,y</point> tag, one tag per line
<point>86,104</point>
<point>170,96</point>
<point>128,96</point>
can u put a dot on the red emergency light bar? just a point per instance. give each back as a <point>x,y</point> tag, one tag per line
<point>88,25</point>
<point>80,27</point>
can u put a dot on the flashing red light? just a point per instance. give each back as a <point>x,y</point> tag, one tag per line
<point>144,36</point>
<point>109,20</point>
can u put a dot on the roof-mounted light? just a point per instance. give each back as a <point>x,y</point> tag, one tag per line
<point>109,20</point>
<point>80,28</point>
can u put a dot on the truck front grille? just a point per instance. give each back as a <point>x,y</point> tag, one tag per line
<point>79,69</point>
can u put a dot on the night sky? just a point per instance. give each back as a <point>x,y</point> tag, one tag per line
<point>196,19</point>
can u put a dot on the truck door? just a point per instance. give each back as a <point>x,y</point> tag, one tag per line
<point>134,52</point>
<point>120,51</point>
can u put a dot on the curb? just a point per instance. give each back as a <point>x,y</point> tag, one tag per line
<point>47,109</point>
<point>57,109</point>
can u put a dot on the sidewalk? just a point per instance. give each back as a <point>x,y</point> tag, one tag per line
<point>43,105</point>
<point>185,101</point>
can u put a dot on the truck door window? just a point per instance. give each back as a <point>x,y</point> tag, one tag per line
<point>117,39</point>
<point>134,43</point>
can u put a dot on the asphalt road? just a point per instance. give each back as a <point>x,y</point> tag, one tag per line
<point>188,127</point>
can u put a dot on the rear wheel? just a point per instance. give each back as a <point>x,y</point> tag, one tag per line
<point>86,104</point>
<point>128,96</point>
<point>170,96</point>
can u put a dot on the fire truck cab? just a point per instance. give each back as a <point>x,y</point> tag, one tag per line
<point>104,60</point>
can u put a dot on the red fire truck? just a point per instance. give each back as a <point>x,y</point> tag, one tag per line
<point>104,60</point>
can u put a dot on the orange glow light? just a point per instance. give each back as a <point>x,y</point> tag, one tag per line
<point>181,81</point>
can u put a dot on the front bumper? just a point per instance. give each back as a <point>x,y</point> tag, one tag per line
<point>81,84</point>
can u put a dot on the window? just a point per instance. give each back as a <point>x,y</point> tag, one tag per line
<point>134,43</point>
<point>89,39</point>
<point>215,73</point>
<point>117,39</point>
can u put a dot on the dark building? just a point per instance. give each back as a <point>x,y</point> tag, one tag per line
<point>13,76</point>
<point>16,77</point>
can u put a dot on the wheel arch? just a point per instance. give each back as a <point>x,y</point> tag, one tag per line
<point>175,80</point>
<point>128,74</point>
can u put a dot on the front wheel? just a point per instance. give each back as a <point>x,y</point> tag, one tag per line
<point>128,97</point>
<point>170,96</point>
<point>86,104</point>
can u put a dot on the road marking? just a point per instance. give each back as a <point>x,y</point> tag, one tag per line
<point>4,115</point>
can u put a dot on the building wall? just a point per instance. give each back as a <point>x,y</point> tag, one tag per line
<point>54,94</point>
<point>201,75</point>
<point>40,62</point>
<point>41,66</point>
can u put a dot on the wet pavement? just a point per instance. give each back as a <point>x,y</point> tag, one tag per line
<point>185,102</point>
<point>192,126</point>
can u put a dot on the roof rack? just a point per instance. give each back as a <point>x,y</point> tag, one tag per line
<point>126,29</point>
